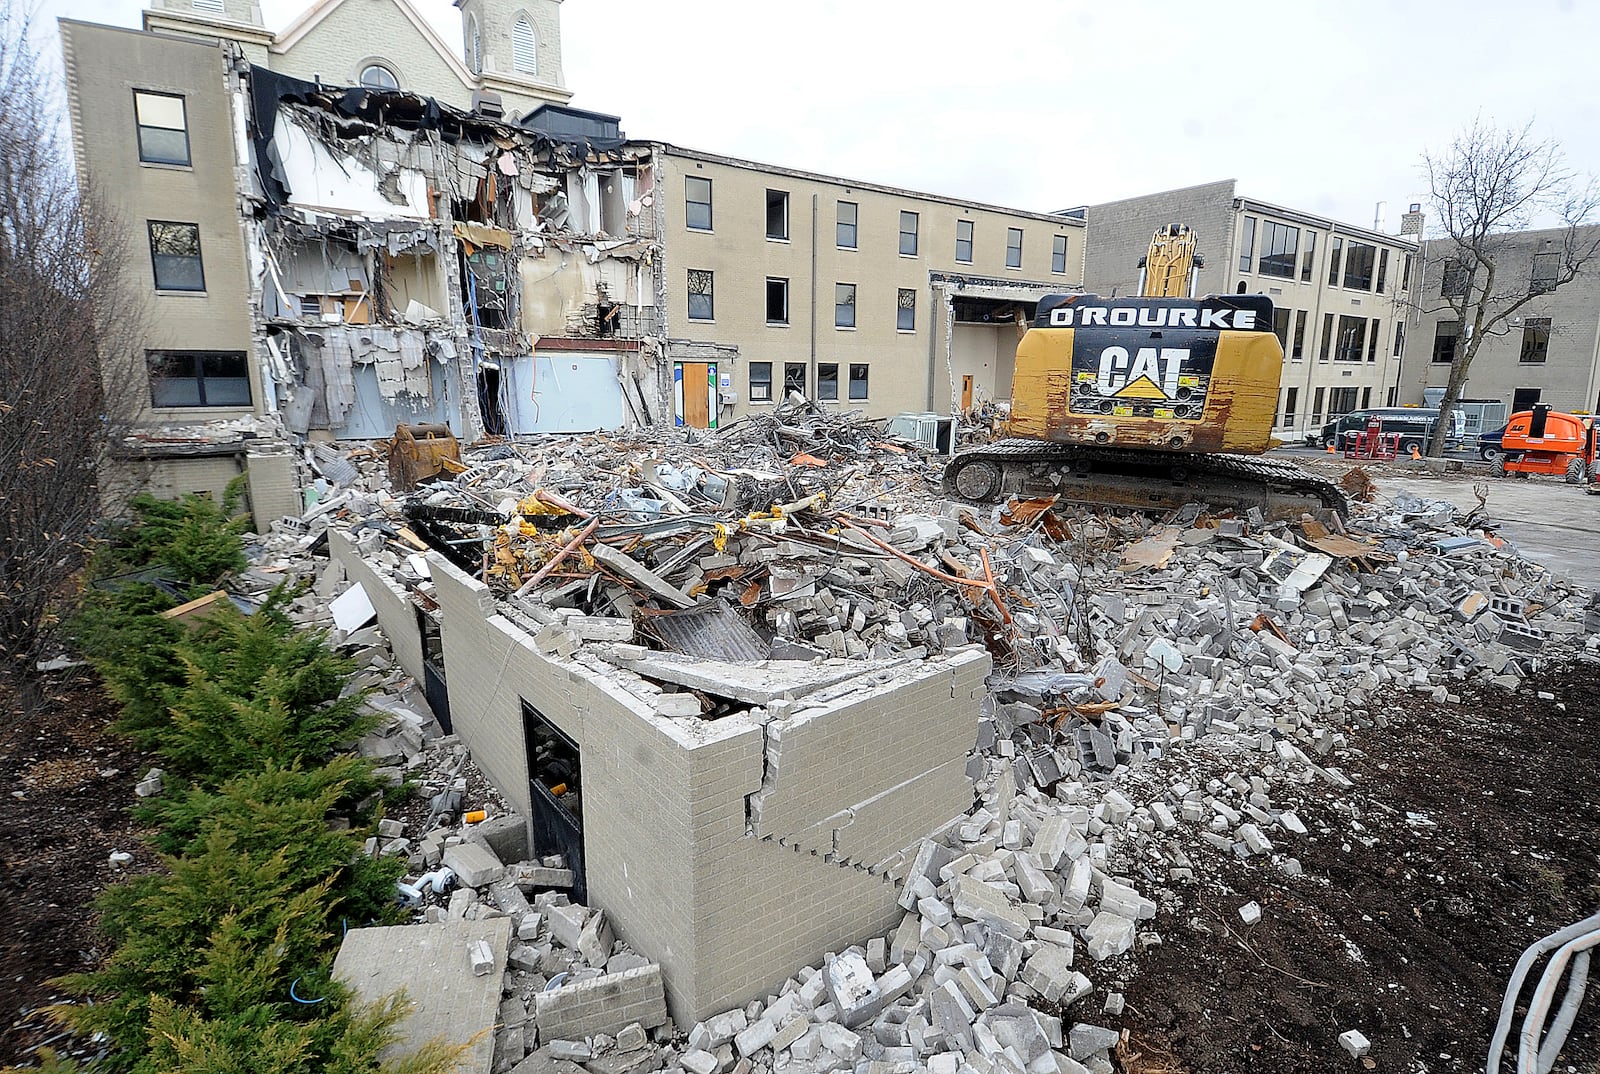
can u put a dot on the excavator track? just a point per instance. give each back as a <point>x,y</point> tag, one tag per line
<point>1140,480</point>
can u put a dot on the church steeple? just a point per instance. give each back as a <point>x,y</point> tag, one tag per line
<point>511,40</point>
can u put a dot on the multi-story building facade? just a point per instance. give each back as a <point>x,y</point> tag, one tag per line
<point>875,298</point>
<point>1548,352</point>
<point>1340,291</point>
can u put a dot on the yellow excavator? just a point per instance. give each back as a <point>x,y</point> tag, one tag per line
<point>1151,402</point>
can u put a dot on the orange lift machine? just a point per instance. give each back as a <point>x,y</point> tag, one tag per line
<point>1544,441</point>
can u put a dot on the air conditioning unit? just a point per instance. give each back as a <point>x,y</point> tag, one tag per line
<point>487,103</point>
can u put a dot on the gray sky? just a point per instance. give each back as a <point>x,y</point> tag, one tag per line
<point>1045,104</point>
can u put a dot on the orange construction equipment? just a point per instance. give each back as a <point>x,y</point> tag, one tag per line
<point>1544,441</point>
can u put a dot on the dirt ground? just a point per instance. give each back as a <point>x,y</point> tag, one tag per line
<point>67,788</point>
<point>1472,830</point>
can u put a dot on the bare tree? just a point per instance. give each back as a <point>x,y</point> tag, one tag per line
<point>1489,185</point>
<point>64,321</point>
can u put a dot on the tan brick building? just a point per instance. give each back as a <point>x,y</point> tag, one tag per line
<point>870,297</point>
<point>1340,290</point>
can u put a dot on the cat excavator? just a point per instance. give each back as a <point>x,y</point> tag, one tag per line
<point>1151,402</point>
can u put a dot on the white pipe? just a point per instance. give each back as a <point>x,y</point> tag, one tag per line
<point>1577,984</point>
<point>1544,996</point>
<point>1508,1005</point>
<point>435,880</point>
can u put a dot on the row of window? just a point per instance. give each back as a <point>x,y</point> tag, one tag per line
<point>1344,338</point>
<point>847,217</point>
<point>1340,401</point>
<point>1535,348</point>
<point>1357,266</point>
<point>794,380</point>
<point>703,307</point>
<point>1543,274</point>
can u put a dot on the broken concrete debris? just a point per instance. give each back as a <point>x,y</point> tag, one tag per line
<point>1135,721</point>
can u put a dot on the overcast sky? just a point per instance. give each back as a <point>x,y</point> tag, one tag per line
<point>1047,104</point>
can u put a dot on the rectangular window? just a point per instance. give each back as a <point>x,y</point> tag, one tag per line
<point>1334,254</point>
<point>163,127</point>
<point>198,378</point>
<point>858,381</point>
<point>845,226</point>
<point>1405,275</point>
<point>697,203</point>
<point>844,305</point>
<point>1327,337</point>
<point>777,214</point>
<point>777,301</point>
<point>1372,340</point>
<point>794,378</point>
<point>1013,247</point>
<point>1392,397</point>
<point>1058,254</point>
<point>1291,401</point>
<point>1311,256</point>
<point>1247,244</point>
<point>964,241</point>
<point>908,233</point>
<point>905,313</point>
<point>1383,269</point>
<point>761,382</point>
<point>1280,325</point>
<point>1366,398</point>
<point>1535,340</point>
<point>828,381</point>
<point>701,307</point>
<point>1453,281</point>
<point>1280,245</point>
<point>1445,334</point>
<point>1299,334</point>
<point>1546,269</point>
<point>1358,262</point>
<point>1352,339</point>
<point>175,256</point>
<point>1341,401</point>
<point>1399,337</point>
<point>1316,406</point>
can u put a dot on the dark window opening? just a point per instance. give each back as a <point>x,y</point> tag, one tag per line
<point>484,284</point>
<point>1546,270</point>
<point>760,382</point>
<point>701,307</point>
<point>494,417</point>
<point>1383,269</point>
<point>845,227</point>
<point>1352,339</point>
<point>1341,401</point>
<point>175,256</point>
<point>1535,340</point>
<point>1247,245</point>
<point>606,316</point>
<point>1359,259</point>
<point>198,378</point>
<point>1372,340</point>
<point>555,780</point>
<point>905,314</point>
<point>1445,334</point>
<point>1280,245</point>
<point>1327,338</point>
<point>1316,406</point>
<point>1399,337</point>
<point>777,214</point>
<point>1524,398</point>
<point>1299,334</point>
<point>1334,254</point>
<point>1454,280</point>
<point>908,234</point>
<point>844,305</point>
<point>1291,401</point>
<point>794,377</point>
<point>1280,326</point>
<point>1311,256</point>
<point>777,301</point>
<point>1366,398</point>
<point>858,381</point>
<point>828,380</point>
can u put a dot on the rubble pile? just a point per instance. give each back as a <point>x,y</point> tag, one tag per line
<point>1163,689</point>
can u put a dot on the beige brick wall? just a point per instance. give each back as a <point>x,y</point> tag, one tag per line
<point>669,854</point>
<point>603,1005</point>
<point>1119,235</point>
<point>741,258</point>
<point>274,488</point>
<point>104,65</point>
<point>396,613</point>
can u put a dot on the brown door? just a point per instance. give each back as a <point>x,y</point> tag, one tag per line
<point>696,399</point>
<point>966,392</point>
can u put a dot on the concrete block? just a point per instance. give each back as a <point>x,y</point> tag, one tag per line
<point>1048,971</point>
<point>1108,935</point>
<point>566,924</point>
<point>977,901</point>
<point>604,1004</point>
<point>696,1061</point>
<point>474,864</point>
<point>755,1036</point>
<point>1355,1042</point>
<point>1086,1040</point>
<point>1250,912</point>
<point>480,956</point>
<point>506,835</point>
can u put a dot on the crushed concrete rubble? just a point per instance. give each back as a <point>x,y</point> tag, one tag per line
<point>1124,649</point>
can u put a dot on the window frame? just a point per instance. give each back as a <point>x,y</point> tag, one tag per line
<point>139,129</point>
<point>1014,248</point>
<point>916,224</point>
<point>1374,330</point>
<point>198,255</point>
<point>532,68</point>
<point>865,371</point>
<point>839,304</point>
<point>1058,255</point>
<point>1335,257</point>
<point>1454,278</point>
<point>1540,346</point>
<point>783,236</point>
<point>1326,350</point>
<point>1308,267</point>
<point>968,240</point>
<point>827,386</point>
<point>783,282</point>
<point>1439,336</point>
<point>361,77</point>
<point>752,381</point>
<point>1350,339</point>
<point>199,358</point>
<point>854,225</point>
<point>1548,283</point>
<point>1367,263</point>
<point>1383,270</point>
<point>1299,352</point>
<point>1278,242</point>
<point>709,295</point>
<point>901,308</point>
<point>689,201</point>
<point>1247,244</point>
<point>794,378</point>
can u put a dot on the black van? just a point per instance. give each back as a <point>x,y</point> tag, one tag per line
<point>1414,424</point>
